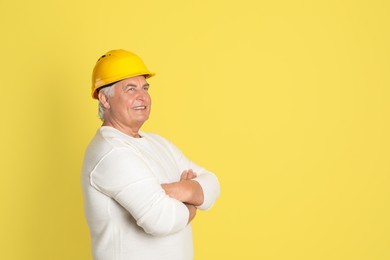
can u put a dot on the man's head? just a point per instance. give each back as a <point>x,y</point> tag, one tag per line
<point>119,83</point>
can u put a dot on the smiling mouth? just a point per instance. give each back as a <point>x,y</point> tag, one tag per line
<point>139,108</point>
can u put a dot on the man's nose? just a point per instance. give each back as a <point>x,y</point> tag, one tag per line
<point>141,94</point>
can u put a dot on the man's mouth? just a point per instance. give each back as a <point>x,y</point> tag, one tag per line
<point>139,108</point>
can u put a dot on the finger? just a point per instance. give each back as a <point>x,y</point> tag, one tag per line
<point>184,175</point>
<point>191,174</point>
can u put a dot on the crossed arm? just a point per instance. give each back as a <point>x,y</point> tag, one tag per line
<point>187,191</point>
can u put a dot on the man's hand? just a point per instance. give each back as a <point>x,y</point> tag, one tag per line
<point>186,190</point>
<point>192,210</point>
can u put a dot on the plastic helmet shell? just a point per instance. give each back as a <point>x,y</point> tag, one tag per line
<point>117,65</point>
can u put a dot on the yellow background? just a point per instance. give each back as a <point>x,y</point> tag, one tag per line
<point>286,101</point>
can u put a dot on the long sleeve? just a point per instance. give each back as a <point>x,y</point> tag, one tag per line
<point>126,177</point>
<point>210,186</point>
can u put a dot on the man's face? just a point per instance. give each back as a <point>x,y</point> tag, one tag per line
<point>130,105</point>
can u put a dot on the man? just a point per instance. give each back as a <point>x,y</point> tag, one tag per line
<point>140,191</point>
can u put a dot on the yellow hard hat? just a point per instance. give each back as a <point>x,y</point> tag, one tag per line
<point>116,65</point>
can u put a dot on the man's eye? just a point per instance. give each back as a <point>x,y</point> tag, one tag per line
<point>146,88</point>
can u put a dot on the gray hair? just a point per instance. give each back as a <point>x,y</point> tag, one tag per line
<point>108,92</point>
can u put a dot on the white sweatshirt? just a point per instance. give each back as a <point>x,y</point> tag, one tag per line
<point>128,213</point>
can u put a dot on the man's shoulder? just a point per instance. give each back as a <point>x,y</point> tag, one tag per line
<point>106,143</point>
<point>106,140</point>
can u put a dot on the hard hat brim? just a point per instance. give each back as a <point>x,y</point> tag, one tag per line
<point>118,79</point>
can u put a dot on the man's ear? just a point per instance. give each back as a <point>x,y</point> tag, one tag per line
<point>104,100</point>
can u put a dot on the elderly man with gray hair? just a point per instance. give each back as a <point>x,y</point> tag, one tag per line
<point>140,191</point>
